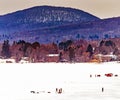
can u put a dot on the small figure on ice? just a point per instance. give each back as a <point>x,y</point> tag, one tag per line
<point>59,91</point>
<point>102,89</point>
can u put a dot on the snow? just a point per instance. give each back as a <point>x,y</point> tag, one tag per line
<point>53,55</point>
<point>7,60</point>
<point>110,55</point>
<point>17,80</point>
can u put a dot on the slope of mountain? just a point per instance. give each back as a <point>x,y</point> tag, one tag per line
<point>41,17</point>
<point>53,24</point>
<point>95,30</point>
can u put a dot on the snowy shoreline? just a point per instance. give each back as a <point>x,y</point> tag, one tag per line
<point>17,80</point>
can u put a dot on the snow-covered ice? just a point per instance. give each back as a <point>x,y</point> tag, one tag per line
<point>17,80</point>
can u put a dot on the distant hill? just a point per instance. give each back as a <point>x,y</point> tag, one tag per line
<point>53,24</point>
<point>95,30</point>
<point>41,17</point>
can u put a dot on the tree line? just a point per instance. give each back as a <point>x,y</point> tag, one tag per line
<point>72,51</point>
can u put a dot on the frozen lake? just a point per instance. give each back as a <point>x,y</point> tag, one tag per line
<point>17,80</point>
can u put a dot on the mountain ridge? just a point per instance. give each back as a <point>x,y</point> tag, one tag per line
<point>44,16</point>
<point>47,24</point>
<point>46,6</point>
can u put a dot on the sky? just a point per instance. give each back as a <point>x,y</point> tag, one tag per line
<point>99,8</point>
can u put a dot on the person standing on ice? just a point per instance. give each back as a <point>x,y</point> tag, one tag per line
<point>102,89</point>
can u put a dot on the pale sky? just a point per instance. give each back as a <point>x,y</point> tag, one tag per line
<point>99,8</point>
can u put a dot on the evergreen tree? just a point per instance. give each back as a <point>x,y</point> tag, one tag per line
<point>90,49</point>
<point>5,49</point>
<point>71,54</point>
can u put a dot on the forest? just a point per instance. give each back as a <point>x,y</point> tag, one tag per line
<point>66,51</point>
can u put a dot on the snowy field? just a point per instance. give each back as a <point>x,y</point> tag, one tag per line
<point>17,80</point>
